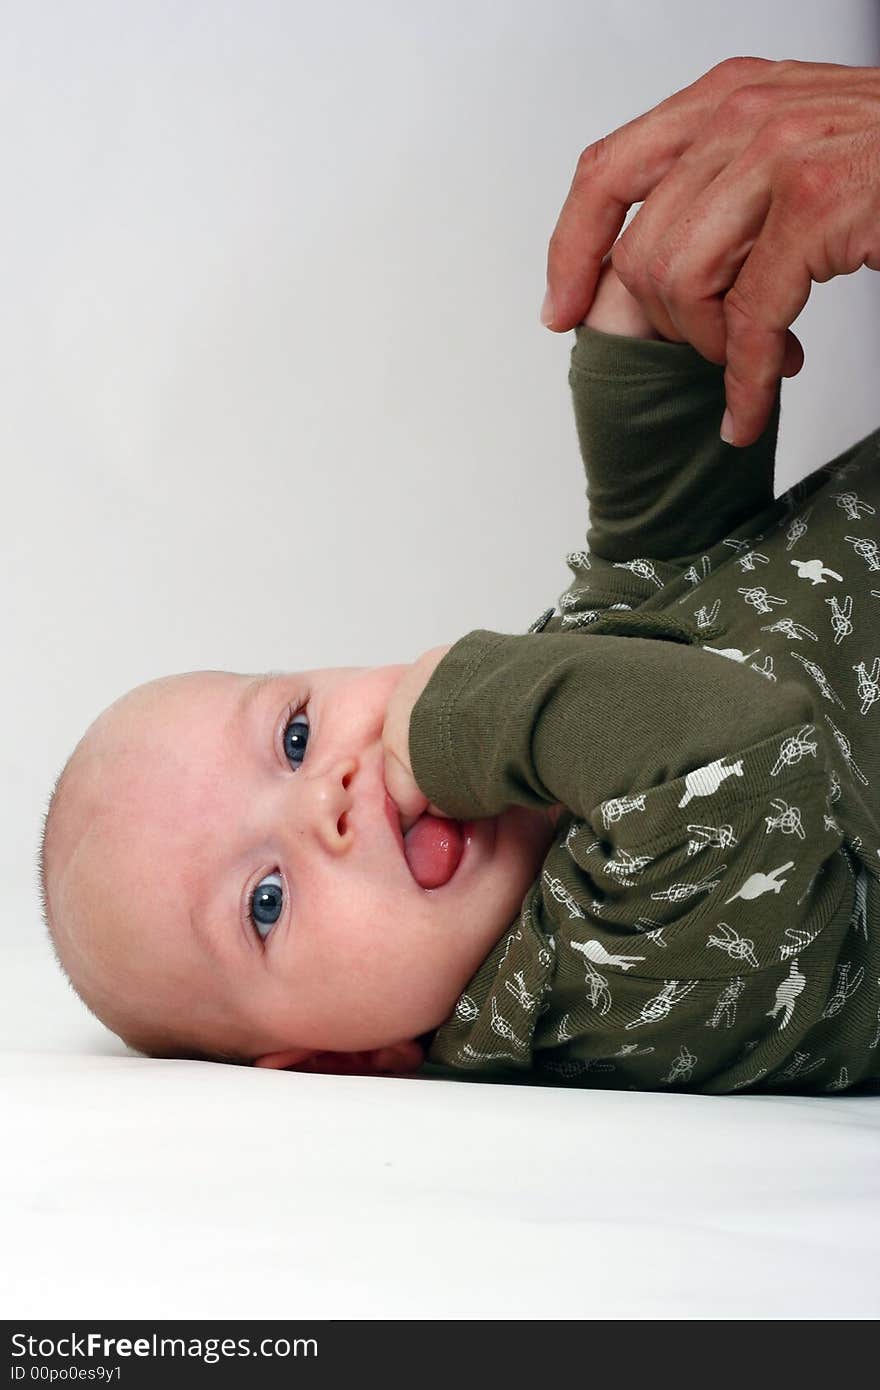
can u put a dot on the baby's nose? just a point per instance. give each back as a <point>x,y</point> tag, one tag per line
<point>328,804</point>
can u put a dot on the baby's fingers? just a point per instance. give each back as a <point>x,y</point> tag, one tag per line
<point>403,790</point>
<point>399,780</point>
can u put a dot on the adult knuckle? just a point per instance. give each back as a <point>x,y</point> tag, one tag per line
<point>621,256</point>
<point>737,311</point>
<point>592,159</point>
<point>629,263</point>
<point>658,270</point>
<point>807,181</point>
<point>745,104</point>
<point>626,262</point>
<point>739,66</point>
<point>782,132</point>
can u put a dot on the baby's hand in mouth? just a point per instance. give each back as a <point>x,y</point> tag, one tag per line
<point>400,783</point>
<point>408,821</point>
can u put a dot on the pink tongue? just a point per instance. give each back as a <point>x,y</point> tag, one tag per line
<point>433,848</point>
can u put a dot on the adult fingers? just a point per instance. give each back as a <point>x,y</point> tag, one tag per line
<point>770,292</point>
<point>685,278</point>
<point>824,220</point>
<point>636,255</point>
<point>619,170</point>
<point>683,249</point>
<point>683,268</point>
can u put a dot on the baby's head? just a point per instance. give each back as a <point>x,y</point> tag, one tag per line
<point>221,878</point>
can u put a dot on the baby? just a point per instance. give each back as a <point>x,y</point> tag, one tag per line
<point>636,846</point>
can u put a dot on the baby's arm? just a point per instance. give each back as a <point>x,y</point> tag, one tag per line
<point>614,310</point>
<point>661,483</point>
<point>659,750</point>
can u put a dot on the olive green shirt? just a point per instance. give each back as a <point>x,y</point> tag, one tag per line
<point>704,699</point>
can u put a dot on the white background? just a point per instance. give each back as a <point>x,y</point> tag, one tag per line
<point>276,395</point>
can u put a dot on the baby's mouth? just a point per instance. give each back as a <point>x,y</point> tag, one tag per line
<point>431,845</point>
<point>433,848</point>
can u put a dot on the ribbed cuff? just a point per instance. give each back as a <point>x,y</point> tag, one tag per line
<point>610,356</point>
<point>434,753</point>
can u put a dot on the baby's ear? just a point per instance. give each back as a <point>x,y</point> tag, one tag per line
<point>396,1057</point>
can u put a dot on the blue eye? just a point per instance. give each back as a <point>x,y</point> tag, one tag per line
<point>267,899</point>
<point>266,903</point>
<point>295,738</point>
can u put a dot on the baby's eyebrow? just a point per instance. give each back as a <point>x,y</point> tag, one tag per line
<point>252,692</point>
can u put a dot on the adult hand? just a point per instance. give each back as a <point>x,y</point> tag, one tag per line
<point>756,180</point>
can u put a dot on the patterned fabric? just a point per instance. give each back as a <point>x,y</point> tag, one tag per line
<point>707,917</point>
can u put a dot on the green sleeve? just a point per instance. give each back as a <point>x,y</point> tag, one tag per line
<point>686,922</point>
<point>577,718</point>
<point>660,481</point>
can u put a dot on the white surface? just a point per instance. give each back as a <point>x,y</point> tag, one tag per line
<point>270,338</point>
<point>165,1189</point>
<point>132,1187</point>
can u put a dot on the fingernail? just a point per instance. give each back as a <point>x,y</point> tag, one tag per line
<point>727,428</point>
<point>547,310</point>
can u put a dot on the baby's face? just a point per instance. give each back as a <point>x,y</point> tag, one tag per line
<point>206,791</point>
